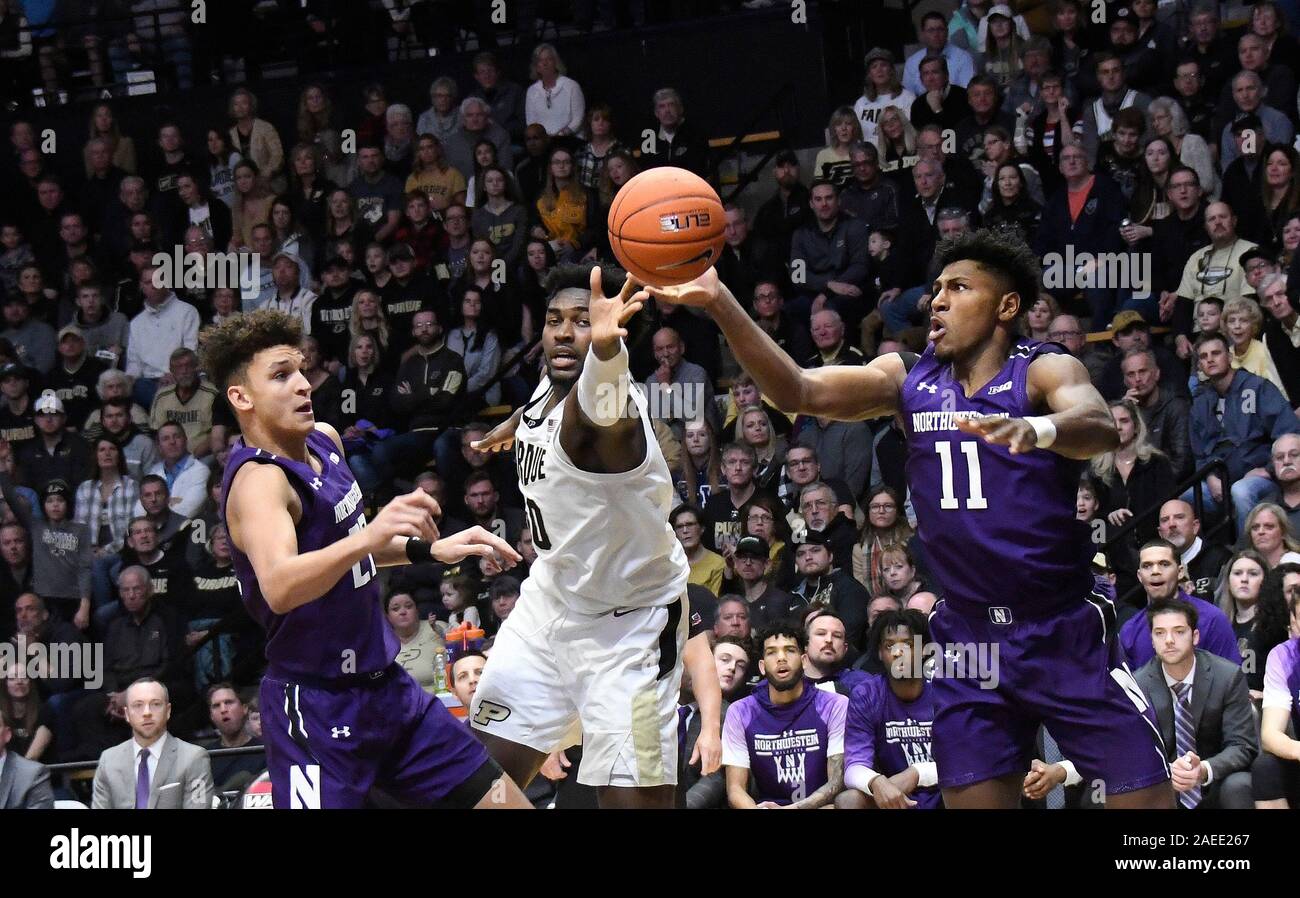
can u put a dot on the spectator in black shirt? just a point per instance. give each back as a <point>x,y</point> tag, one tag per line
<point>677,141</point>
<point>1203,560</point>
<point>55,453</point>
<point>786,211</point>
<point>229,715</point>
<point>788,333</point>
<point>869,197</point>
<point>943,104</point>
<point>76,376</point>
<point>17,417</point>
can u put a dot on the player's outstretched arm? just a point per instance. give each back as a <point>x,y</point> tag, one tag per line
<point>840,392</point>
<point>1079,424</point>
<point>501,437</point>
<point>699,662</point>
<point>260,517</point>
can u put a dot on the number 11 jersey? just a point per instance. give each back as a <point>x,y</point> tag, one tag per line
<point>603,540</point>
<point>999,529</point>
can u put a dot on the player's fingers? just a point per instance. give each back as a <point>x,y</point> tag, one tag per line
<point>628,311</point>
<point>630,286</point>
<point>695,754</point>
<point>597,292</point>
<point>500,546</point>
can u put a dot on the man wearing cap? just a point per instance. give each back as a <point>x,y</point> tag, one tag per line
<point>1130,331</point>
<point>189,401</point>
<point>408,292</point>
<point>786,211</point>
<point>867,108</point>
<point>291,295</point>
<point>933,34</point>
<point>56,452</point>
<point>1215,270</point>
<point>331,313</point>
<point>163,326</point>
<point>75,377</point>
<point>1142,68</point>
<point>753,580</point>
<point>833,587</point>
<point>32,338</point>
<point>61,550</point>
<point>17,416</point>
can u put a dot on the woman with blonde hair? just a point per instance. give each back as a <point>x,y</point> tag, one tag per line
<point>1134,478</point>
<point>701,463</point>
<point>553,100</point>
<point>103,125</point>
<point>368,319</point>
<point>253,137</point>
<point>769,448</point>
<point>886,526</point>
<point>896,144</point>
<point>833,163</point>
<point>253,200</point>
<point>1242,323</point>
<point>1268,530</point>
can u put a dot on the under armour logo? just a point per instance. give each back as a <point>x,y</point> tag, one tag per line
<point>1000,388</point>
<point>336,732</point>
<point>929,388</point>
<point>317,483</point>
<point>334,458</point>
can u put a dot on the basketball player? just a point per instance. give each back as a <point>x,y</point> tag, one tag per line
<point>997,429</point>
<point>339,714</point>
<point>595,644</point>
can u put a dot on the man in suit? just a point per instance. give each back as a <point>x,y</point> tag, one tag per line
<point>153,769</point>
<point>1203,707</point>
<point>695,792</point>
<point>23,783</point>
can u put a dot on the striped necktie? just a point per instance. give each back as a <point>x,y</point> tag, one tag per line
<point>1052,755</point>
<point>1185,736</point>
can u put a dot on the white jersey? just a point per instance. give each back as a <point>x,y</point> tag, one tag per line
<point>603,540</point>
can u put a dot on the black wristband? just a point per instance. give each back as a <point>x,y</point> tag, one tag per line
<point>418,550</point>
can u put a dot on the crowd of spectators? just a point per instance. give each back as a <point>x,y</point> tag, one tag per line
<point>1159,137</point>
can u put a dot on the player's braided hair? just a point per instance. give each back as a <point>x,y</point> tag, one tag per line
<point>231,345</point>
<point>1003,253</point>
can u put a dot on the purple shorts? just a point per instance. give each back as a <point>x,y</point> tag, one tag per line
<point>1066,672</point>
<point>325,748</point>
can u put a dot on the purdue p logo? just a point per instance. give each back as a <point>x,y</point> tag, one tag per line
<point>490,711</point>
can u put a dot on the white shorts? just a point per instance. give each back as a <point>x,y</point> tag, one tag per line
<point>557,677</point>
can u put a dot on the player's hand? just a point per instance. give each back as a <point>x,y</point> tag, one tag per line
<point>608,314</point>
<point>702,292</point>
<point>768,806</point>
<point>554,766</point>
<point>1015,433</point>
<point>408,515</point>
<point>475,541</point>
<point>906,781</point>
<point>708,751</point>
<point>1042,778</point>
<point>889,796</point>
<point>499,439</point>
<point>1119,516</point>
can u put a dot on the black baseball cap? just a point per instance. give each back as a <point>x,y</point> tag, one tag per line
<point>752,547</point>
<point>56,487</point>
<point>786,157</point>
<point>816,538</point>
<point>13,369</point>
<point>336,261</point>
<point>1248,122</point>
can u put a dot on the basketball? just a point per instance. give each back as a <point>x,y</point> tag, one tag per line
<point>665,226</point>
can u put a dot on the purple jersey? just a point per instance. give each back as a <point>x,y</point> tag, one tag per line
<point>1217,636</point>
<point>889,735</point>
<point>999,529</point>
<point>1282,679</point>
<point>785,747</point>
<point>344,632</point>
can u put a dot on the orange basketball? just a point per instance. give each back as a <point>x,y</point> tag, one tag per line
<point>665,226</point>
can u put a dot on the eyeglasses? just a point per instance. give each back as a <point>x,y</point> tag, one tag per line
<point>1061,335</point>
<point>761,516</point>
<point>890,507</point>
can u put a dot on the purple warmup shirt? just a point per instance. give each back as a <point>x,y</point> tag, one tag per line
<point>344,631</point>
<point>999,529</point>
<point>785,747</point>
<point>1282,679</point>
<point>1217,636</point>
<point>889,735</point>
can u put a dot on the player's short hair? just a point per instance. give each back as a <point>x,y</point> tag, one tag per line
<point>230,346</point>
<point>782,629</point>
<point>1003,254</point>
<point>578,277</point>
<point>909,618</point>
<point>1173,606</point>
<point>1159,543</point>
